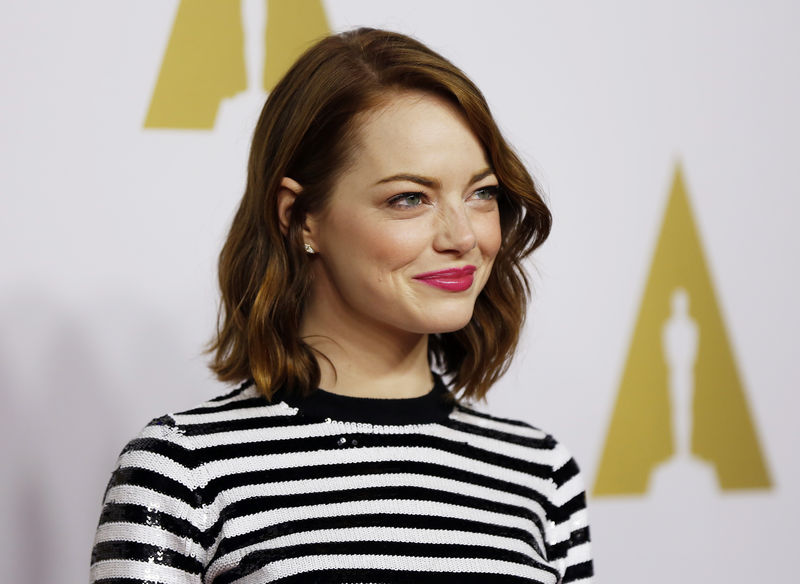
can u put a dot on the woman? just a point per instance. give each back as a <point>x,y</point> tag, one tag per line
<point>380,236</point>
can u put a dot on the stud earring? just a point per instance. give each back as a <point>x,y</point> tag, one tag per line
<point>309,249</point>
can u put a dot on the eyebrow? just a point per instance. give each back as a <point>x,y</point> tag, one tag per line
<point>431,182</point>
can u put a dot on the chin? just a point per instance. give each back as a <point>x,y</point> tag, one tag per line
<point>447,325</point>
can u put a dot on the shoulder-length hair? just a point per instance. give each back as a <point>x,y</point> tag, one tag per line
<point>307,131</point>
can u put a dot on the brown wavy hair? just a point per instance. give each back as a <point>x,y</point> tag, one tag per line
<point>307,131</point>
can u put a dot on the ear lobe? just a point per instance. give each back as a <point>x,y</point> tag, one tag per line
<point>287,193</point>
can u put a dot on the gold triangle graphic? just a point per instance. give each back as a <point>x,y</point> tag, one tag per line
<point>640,434</point>
<point>292,27</point>
<point>204,61</point>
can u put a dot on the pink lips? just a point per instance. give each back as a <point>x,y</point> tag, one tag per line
<point>452,280</point>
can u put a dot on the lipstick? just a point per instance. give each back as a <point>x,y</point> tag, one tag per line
<point>452,280</point>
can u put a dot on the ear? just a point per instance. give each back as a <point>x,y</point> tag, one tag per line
<point>287,193</point>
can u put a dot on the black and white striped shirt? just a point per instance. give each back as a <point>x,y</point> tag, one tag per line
<point>341,489</point>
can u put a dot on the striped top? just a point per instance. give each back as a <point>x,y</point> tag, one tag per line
<point>340,489</point>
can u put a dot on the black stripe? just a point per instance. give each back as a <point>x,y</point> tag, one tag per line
<point>162,447</point>
<point>543,443</point>
<point>334,576</point>
<point>118,581</point>
<point>323,471</point>
<point>260,504</point>
<point>365,440</point>
<point>243,404</point>
<point>578,571</point>
<point>577,503</point>
<point>234,392</point>
<point>470,411</point>
<point>579,536</point>
<point>266,421</point>
<point>140,515</point>
<point>566,472</point>
<point>154,481</point>
<point>141,552</point>
<point>257,559</point>
<point>377,520</point>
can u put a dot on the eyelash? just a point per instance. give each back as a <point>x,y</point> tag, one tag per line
<point>395,201</point>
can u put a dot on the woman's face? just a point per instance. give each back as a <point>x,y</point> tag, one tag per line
<point>411,229</point>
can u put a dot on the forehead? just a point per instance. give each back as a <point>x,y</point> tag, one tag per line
<point>414,129</point>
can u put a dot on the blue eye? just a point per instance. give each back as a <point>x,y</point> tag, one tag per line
<point>487,193</point>
<point>406,200</point>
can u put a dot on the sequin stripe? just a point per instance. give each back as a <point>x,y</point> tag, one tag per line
<point>255,420</point>
<point>367,470</point>
<point>571,507</point>
<point>396,493</point>
<point>579,536</point>
<point>245,402</point>
<point>565,520</point>
<point>234,393</point>
<point>144,552</point>
<point>147,572</point>
<point>284,435</point>
<point>376,521</point>
<point>566,472</point>
<point>163,447</point>
<point>281,519</point>
<point>387,576</point>
<point>410,552</point>
<point>141,515</point>
<point>475,418</point>
<point>472,412</point>
<point>121,581</point>
<point>153,481</point>
<point>415,569</point>
<point>538,442</point>
<point>384,538</point>
<point>315,489</point>
<point>578,572</point>
<point>365,440</point>
<point>374,456</point>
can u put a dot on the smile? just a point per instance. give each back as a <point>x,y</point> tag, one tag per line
<point>452,280</point>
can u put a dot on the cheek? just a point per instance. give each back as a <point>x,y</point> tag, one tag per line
<point>375,249</point>
<point>489,235</point>
<point>392,246</point>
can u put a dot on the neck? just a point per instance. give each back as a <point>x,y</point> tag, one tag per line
<point>366,359</point>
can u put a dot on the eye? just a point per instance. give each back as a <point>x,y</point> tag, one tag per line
<point>407,200</point>
<point>487,193</point>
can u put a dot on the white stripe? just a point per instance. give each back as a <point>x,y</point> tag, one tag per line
<point>383,534</point>
<point>144,571</point>
<point>248,523</point>
<point>323,429</point>
<point>568,490</point>
<point>267,411</point>
<point>410,564</point>
<point>526,453</point>
<point>168,433</point>
<point>373,454</point>
<point>579,553</point>
<point>161,464</point>
<point>499,425</point>
<point>148,534</point>
<point>154,501</point>
<point>244,394</point>
<point>353,482</point>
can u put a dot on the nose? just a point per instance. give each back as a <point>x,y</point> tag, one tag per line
<point>454,232</point>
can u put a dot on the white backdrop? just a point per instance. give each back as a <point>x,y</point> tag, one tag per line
<point>109,235</point>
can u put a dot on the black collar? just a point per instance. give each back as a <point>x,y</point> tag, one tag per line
<point>434,406</point>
